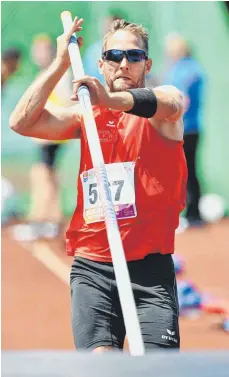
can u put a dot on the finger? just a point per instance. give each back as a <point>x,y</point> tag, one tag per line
<point>89,79</point>
<point>79,85</point>
<point>76,26</point>
<point>82,80</point>
<point>76,88</point>
<point>80,22</point>
<point>74,98</point>
<point>86,81</point>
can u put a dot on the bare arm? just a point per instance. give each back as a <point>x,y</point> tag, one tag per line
<point>170,107</point>
<point>33,116</point>
<point>169,99</point>
<point>169,103</point>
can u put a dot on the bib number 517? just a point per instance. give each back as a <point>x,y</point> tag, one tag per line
<point>93,191</point>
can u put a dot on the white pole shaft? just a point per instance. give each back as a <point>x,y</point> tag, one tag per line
<point>126,296</point>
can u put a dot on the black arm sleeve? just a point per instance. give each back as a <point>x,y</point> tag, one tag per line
<point>145,102</point>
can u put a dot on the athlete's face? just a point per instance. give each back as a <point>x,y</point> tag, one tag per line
<point>124,75</point>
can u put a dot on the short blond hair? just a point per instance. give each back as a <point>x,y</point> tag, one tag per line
<point>122,24</point>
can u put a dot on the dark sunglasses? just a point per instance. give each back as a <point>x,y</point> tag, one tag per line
<point>131,55</point>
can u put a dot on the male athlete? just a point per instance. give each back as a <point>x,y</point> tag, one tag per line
<point>141,135</point>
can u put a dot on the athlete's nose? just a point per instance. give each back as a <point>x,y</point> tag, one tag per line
<point>124,63</point>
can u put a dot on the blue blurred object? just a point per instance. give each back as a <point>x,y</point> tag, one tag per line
<point>90,60</point>
<point>226,324</point>
<point>189,298</point>
<point>187,75</point>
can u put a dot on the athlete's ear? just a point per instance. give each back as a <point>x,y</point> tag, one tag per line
<point>100,65</point>
<point>148,66</point>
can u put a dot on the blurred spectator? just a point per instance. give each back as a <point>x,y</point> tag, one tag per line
<point>11,59</point>
<point>10,64</point>
<point>42,54</point>
<point>94,51</point>
<point>186,74</point>
<point>45,215</point>
<point>9,202</point>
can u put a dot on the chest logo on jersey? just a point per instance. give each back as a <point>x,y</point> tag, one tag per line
<point>111,123</point>
<point>108,136</point>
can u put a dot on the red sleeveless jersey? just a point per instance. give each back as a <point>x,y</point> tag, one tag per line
<point>160,176</point>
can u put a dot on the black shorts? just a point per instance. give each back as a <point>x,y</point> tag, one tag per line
<point>48,154</point>
<point>96,312</point>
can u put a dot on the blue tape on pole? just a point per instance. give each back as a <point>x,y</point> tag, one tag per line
<point>73,40</point>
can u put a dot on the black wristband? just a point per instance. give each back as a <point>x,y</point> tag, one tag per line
<point>145,102</point>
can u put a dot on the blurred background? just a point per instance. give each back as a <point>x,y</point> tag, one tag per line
<point>189,47</point>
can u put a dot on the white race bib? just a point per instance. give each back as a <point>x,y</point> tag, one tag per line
<point>121,181</point>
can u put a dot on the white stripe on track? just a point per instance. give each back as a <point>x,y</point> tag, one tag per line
<point>45,255</point>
